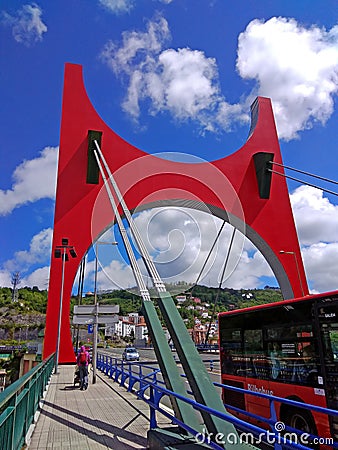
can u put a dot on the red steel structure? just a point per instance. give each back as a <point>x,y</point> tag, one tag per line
<point>237,189</point>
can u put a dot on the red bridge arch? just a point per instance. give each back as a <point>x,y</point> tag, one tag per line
<point>228,188</point>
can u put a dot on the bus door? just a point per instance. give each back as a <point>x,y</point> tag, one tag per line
<point>328,322</point>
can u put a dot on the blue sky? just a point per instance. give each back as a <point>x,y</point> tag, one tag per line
<point>169,76</point>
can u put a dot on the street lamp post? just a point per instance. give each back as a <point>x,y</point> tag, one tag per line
<point>95,329</point>
<point>297,267</point>
<point>61,251</point>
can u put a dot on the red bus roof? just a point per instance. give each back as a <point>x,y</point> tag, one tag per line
<point>280,303</point>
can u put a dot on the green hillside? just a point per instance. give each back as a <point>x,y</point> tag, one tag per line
<point>23,320</point>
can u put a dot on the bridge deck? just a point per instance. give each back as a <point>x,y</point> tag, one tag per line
<point>105,416</point>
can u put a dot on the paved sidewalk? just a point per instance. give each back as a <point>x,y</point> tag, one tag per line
<point>105,416</point>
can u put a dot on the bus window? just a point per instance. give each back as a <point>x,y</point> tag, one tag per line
<point>286,331</point>
<point>275,355</point>
<point>231,354</point>
<point>253,342</point>
<point>334,343</point>
<point>227,361</point>
<point>330,341</point>
<point>306,367</point>
<point>286,350</point>
<point>231,335</point>
<point>254,354</point>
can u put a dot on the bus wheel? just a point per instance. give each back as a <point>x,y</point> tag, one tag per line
<point>301,420</point>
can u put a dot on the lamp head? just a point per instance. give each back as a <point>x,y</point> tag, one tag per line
<point>72,253</point>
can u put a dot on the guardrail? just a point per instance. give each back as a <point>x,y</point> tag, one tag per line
<point>19,403</point>
<point>12,348</point>
<point>142,379</point>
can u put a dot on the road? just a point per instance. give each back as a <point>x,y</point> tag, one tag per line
<point>148,357</point>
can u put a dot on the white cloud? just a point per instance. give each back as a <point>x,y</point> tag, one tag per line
<point>183,82</point>
<point>118,6</point>
<point>24,260</point>
<point>27,26</point>
<point>321,264</point>
<point>315,216</point>
<point>116,275</point>
<point>39,251</point>
<point>179,241</point>
<point>138,49</point>
<point>39,248</point>
<point>316,219</point>
<point>5,278</point>
<point>296,67</point>
<point>249,271</point>
<point>39,278</point>
<point>33,180</point>
<point>188,83</point>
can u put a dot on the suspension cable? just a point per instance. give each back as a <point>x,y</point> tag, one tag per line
<point>305,173</point>
<point>159,285</point>
<point>220,283</point>
<point>135,267</point>
<point>301,181</point>
<point>207,258</point>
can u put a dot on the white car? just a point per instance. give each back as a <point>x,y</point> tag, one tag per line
<point>130,354</point>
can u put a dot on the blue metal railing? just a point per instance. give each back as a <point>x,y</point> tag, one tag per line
<point>19,403</point>
<point>143,380</point>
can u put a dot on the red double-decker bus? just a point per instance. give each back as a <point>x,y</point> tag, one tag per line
<point>287,349</point>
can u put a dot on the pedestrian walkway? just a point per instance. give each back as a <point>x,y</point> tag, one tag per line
<point>105,416</point>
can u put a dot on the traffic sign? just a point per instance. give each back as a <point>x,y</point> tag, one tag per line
<point>83,319</point>
<point>98,309</point>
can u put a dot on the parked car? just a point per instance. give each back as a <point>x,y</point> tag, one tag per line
<point>130,354</point>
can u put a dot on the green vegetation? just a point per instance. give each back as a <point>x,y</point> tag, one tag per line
<point>30,300</point>
<point>23,319</point>
<point>127,301</point>
<point>227,298</point>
